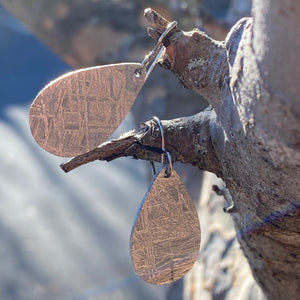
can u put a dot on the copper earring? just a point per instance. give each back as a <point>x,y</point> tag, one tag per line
<point>165,238</point>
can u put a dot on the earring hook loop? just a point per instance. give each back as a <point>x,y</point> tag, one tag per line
<point>163,149</point>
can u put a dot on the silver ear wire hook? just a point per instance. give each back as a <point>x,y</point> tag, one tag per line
<point>169,167</point>
<point>155,53</point>
<point>161,129</point>
<point>153,167</point>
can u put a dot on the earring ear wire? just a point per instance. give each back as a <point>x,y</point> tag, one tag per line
<point>165,238</point>
<point>155,54</point>
<point>169,167</point>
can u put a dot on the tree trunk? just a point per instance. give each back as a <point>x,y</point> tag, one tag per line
<point>254,129</point>
<point>251,136</point>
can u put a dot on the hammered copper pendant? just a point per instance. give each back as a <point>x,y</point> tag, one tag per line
<point>80,110</point>
<point>165,238</point>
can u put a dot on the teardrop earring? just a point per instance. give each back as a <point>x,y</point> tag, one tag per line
<point>165,238</point>
<point>79,110</point>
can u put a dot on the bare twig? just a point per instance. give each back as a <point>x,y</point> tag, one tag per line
<point>106,151</point>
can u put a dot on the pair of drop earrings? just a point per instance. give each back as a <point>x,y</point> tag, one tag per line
<point>80,110</point>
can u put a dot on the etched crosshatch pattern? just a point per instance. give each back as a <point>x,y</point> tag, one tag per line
<point>80,110</point>
<point>166,236</point>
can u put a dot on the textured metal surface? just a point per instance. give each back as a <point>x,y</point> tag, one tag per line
<point>81,109</point>
<point>165,239</point>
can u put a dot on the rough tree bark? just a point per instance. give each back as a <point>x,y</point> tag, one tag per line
<point>250,138</point>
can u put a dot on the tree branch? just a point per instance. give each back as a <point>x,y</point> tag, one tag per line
<point>196,149</point>
<point>197,60</point>
<point>106,151</point>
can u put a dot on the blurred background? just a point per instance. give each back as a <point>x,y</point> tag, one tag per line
<point>66,236</point>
